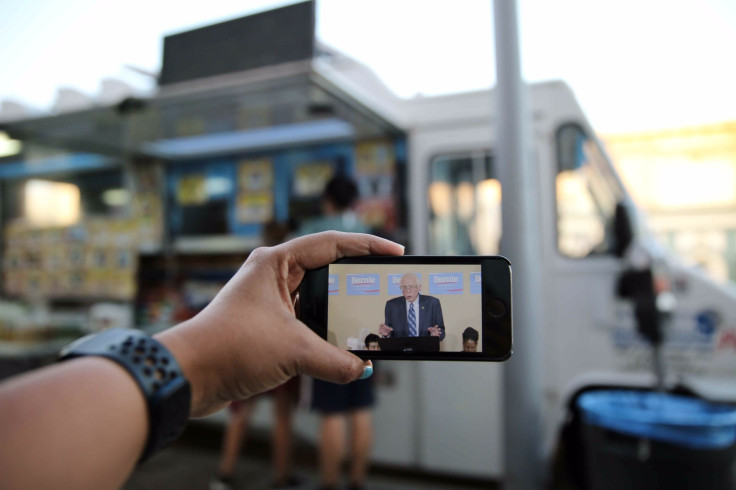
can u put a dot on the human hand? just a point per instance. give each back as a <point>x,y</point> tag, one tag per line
<point>384,330</point>
<point>435,331</point>
<point>248,340</point>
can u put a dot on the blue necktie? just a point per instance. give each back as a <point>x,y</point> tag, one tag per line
<point>412,321</point>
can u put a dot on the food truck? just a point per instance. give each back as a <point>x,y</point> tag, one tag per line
<point>135,213</point>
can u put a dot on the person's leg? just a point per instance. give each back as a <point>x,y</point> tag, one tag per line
<point>331,448</point>
<point>281,436</point>
<point>234,434</point>
<point>361,445</point>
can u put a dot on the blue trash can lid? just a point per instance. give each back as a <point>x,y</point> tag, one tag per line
<point>675,419</point>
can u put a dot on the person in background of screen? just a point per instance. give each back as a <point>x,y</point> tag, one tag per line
<point>339,403</point>
<point>425,311</point>
<point>371,342</point>
<point>470,340</point>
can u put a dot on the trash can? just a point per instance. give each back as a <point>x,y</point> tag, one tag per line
<point>647,440</point>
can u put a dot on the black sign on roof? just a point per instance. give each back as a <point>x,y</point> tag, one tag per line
<point>267,38</point>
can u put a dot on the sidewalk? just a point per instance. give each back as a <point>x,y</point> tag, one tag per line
<point>192,461</point>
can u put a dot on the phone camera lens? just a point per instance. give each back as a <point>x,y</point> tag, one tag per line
<point>496,308</point>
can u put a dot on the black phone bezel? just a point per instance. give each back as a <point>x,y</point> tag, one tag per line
<point>495,286</point>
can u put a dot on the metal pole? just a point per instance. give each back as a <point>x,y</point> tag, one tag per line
<point>521,243</point>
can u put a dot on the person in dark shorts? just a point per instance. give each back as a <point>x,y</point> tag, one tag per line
<point>339,404</point>
<point>284,398</point>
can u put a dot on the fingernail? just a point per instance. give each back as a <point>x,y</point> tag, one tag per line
<point>367,372</point>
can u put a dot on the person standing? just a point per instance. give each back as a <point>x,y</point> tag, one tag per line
<point>284,399</point>
<point>350,404</point>
<point>412,314</point>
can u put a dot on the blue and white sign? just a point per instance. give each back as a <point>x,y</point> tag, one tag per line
<point>476,287</point>
<point>394,284</point>
<point>333,284</point>
<point>446,283</point>
<point>363,284</point>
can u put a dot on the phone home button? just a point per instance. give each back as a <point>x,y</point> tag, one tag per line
<point>496,308</point>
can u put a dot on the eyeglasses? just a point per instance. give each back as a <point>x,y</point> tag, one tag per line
<point>408,288</point>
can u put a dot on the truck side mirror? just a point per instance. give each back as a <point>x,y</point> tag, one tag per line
<point>623,231</point>
<point>638,286</point>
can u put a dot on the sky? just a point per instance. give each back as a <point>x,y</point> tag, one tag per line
<point>633,64</point>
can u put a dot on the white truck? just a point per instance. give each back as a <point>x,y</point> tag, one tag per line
<point>447,417</point>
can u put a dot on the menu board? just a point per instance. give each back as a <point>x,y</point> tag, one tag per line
<point>374,158</point>
<point>255,195</point>
<point>191,190</point>
<point>96,258</point>
<point>147,204</point>
<point>311,179</point>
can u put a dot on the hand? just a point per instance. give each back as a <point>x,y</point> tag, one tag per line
<point>248,340</point>
<point>384,330</point>
<point>435,331</point>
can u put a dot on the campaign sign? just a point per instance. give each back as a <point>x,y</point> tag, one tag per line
<point>333,284</point>
<point>394,284</point>
<point>475,284</point>
<point>363,284</point>
<point>446,283</point>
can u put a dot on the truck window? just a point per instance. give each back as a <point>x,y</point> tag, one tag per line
<point>465,205</point>
<point>587,191</point>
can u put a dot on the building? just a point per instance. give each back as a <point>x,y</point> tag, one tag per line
<point>685,179</point>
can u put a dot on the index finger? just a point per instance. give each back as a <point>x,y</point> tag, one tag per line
<point>319,249</point>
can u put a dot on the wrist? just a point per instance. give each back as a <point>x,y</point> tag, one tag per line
<point>191,358</point>
<point>154,369</point>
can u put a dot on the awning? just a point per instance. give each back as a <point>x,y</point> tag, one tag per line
<point>266,107</point>
<point>56,164</point>
<point>285,135</point>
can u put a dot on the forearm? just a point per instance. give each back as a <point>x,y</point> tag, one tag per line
<point>80,424</point>
<point>83,423</point>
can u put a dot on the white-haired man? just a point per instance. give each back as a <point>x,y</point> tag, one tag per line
<point>413,314</point>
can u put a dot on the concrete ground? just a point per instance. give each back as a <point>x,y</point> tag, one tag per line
<point>192,461</point>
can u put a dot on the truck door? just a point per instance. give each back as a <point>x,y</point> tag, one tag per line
<point>581,269</point>
<point>461,401</point>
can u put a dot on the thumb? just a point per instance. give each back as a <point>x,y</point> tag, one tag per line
<point>324,361</point>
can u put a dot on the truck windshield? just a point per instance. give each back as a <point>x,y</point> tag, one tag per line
<point>465,205</point>
<point>587,192</point>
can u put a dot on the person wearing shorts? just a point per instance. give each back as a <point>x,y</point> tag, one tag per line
<point>340,404</point>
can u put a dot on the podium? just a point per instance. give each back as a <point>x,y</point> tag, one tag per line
<point>410,344</point>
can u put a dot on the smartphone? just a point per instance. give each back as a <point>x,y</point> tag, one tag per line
<point>412,307</point>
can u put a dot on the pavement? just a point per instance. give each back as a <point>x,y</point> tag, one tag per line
<point>191,462</point>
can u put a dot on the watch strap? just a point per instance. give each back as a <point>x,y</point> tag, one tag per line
<point>166,390</point>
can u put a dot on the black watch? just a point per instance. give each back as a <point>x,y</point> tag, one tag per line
<point>166,390</point>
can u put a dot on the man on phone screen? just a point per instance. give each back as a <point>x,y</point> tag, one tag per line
<point>412,314</point>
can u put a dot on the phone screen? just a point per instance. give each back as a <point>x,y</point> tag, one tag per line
<point>405,307</point>
<point>412,308</point>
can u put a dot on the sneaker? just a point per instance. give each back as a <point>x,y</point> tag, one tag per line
<point>291,481</point>
<point>222,483</point>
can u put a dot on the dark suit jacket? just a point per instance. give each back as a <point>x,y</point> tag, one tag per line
<point>430,314</point>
